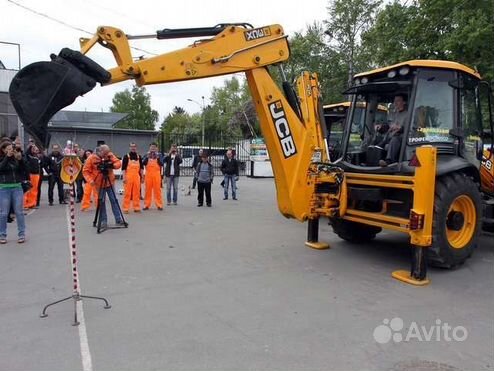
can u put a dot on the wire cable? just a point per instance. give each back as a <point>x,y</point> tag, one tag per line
<point>66,24</point>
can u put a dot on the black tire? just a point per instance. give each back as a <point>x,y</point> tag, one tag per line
<point>488,227</point>
<point>354,232</point>
<point>448,189</point>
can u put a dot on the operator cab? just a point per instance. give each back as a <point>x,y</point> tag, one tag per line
<point>442,108</point>
<point>335,117</point>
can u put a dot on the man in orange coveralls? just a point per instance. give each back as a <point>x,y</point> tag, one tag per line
<point>153,163</point>
<point>93,175</point>
<point>132,178</point>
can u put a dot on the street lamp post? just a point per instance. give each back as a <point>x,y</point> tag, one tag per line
<point>203,106</point>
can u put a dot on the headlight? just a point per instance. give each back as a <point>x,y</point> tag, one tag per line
<point>391,74</point>
<point>404,71</point>
<point>364,80</point>
<point>357,81</point>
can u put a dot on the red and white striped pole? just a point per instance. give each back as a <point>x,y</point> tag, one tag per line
<point>71,226</point>
<point>76,291</point>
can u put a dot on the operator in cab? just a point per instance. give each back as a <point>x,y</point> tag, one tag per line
<point>394,135</point>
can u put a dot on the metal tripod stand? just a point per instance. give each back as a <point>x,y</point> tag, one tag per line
<point>101,199</point>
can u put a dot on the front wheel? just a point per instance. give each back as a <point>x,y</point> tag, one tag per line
<point>354,232</point>
<point>456,223</point>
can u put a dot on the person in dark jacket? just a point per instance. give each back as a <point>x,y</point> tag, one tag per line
<point>79,187</point>
<point>53,169</point>
<point>172,173</point>
<point>195,162</point>
<point>205,174</point>
<point>12,174</point>
<point>44,165</point>
<point>229,168</point>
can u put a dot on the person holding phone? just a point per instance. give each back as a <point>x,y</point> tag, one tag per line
<point>172,174</point>
<point>12,173</point>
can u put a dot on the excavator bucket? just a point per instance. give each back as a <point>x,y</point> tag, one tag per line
<point>41,89</point>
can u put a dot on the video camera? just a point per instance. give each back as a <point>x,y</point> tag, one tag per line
<point>105,165</point>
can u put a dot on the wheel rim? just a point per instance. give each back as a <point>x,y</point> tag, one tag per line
<point>461,222</point>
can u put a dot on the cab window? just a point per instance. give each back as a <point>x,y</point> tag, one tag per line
<point>433,114</point>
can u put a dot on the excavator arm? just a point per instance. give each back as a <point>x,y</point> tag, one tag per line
<point>291,127</point>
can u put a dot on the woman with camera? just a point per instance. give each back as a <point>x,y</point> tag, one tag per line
<point>12,174</point>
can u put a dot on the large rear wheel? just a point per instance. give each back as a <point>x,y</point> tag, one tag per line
<point>456,223</point>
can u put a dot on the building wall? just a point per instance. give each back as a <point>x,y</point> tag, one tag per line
<point>118,141</point>
<point>9,122</point>
<point>8,117</point>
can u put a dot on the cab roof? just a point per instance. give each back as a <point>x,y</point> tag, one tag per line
<point>335,105</point>
<point>424,63</point>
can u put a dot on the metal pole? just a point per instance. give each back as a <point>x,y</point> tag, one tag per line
<point>203,123</point>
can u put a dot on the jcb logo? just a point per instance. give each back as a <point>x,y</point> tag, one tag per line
<point>282,129</point>
<point>257,33</point>
<point>487,164</point>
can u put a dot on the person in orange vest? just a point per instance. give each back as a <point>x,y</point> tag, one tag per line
<point>153,163</point>
<point>33,163</point>
<point>132,178</point>
<point>89,191</point>
<point>93,174</point>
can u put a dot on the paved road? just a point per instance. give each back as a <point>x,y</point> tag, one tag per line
<point>233,288</point>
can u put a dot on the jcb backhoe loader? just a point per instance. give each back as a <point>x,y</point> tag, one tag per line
<point>308,185</point>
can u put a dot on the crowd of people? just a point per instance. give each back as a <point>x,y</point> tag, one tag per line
<point>22,173</point>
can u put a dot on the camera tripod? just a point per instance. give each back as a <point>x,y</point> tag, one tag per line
<point>101,199</point>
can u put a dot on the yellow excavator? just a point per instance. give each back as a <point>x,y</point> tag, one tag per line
<point>433,192</point>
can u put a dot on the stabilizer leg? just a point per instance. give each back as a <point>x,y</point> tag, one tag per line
<point>313,236</point>
<point>418,272</point>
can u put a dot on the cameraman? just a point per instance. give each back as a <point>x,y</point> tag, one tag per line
<point>98,171</point>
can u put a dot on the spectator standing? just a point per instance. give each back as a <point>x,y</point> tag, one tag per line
<point>205,174</point>
<point>33,164</point>
<point>43,158</point>
<point>229,168</point>
<point>12,174</point>
<point>195,162</point>
<point>89,190</point>
<point>79,187</point>
<point>53,169</point>
<point>172,174</point>
<point>153,163</point>
<point>132,167</point>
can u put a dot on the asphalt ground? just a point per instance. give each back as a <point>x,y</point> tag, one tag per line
<point>232,287</point>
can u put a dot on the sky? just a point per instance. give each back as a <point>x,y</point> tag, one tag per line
<point>39,37</point>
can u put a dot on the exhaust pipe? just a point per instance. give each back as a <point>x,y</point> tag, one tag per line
<point>41,89</point>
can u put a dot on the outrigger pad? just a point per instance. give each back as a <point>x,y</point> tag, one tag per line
<point>41,89</point>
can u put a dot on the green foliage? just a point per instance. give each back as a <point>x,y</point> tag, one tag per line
<point>456,30</point>
<point>180,122</point>
<point>310,51</point>
<point>226,101</point>
<point>137,103</point>
<point>347,20</point>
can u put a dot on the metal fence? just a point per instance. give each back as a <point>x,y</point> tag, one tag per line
<point>189,146</point>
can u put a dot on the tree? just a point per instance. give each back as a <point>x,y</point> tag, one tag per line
<point>310,51</point>
<point>347,20</point>
<point>456,30</point>
<point>137,103</point>
<point>225,102</point>
<point>179,122</point>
